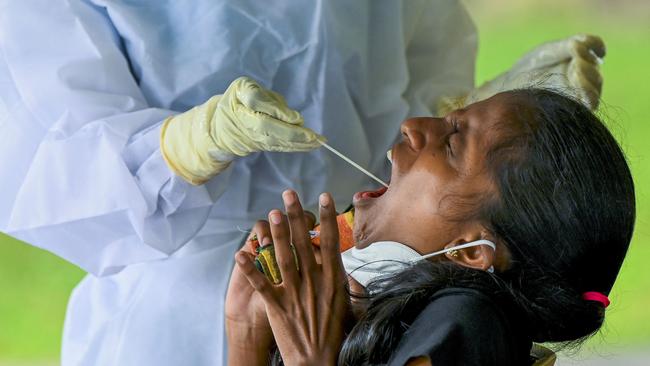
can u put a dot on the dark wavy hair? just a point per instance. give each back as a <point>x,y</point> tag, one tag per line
<point>565,209</point>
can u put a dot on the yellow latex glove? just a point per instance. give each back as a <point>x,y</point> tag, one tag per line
<point>570,65</point>
<point>201,142</point>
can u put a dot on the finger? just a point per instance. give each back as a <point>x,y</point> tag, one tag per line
<point>588,94</point>
<point>580,69</point>
<point>593,43</point>
<point>237,278</point>
<point>262,231</point>
<point>250,244</point>
<point>546,55</point>
<point>252,241</point>
<point>329,240</point>
<point>282,111</point>
<point>272,134</point>
<point>281,136</point>
<point>580,46</point>
<point>581,51</point>
<point>258,99</point>
<point>561,51</point>
<point>310,219</point>
<point>299,233</point>
<point>257,280</point>
<point>283,253</point>
<point>587,79</point>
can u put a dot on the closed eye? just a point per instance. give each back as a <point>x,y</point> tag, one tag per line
<point>454,125</point>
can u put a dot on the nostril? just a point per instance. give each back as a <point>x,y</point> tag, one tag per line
<point>412,131</point>
<point>405,138</point>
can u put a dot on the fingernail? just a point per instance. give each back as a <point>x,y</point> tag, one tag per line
<point>275,217</point>
<point>324,199</point>
<point>266,240</point>
<point>289,197</point>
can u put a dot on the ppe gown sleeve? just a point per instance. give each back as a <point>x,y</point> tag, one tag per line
<point>441,54</point>
<point>82,172</point>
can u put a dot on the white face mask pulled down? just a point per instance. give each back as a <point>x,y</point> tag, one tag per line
<point>384,258</point>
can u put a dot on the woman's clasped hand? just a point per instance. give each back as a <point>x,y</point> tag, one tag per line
<point>307,311</point>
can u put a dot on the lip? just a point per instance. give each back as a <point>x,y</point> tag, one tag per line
<point>366,196</point>
<point>363,195</point>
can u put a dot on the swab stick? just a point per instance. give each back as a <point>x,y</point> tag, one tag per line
<point>328,147</point>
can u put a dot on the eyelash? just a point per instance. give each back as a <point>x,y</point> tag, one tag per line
<point>454,124</point>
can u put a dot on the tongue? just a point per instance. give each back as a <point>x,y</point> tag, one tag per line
<point>374,194</point>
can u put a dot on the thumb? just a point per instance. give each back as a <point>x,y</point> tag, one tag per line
<point>277,136</point>
<point>237,279</point>
<point>593,43</point>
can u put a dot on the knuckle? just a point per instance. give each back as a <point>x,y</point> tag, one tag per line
<point>325,214</point>
<point>279,236</point>
<point>328,292</point>
<point>261,225</point>
<point>262,285</point>
<point>246,270</point>
<point>285,263</point>
<point>331,251</point>
<point>282,260</point>
<point>294,215</point>
<point>332,242</point>
<point>311,289</point>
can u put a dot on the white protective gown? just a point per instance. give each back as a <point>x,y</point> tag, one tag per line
<point>84,88</point>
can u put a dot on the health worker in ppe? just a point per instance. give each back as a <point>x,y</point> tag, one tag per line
<point>136,151</point>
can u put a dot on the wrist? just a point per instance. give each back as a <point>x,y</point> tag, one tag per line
<point>243,335</point>
<point>248,344</point>
<point>320,359</point>
<point>186,144</point>
<point>221,156</point>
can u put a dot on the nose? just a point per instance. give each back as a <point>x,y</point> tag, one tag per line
<point>421,130</point>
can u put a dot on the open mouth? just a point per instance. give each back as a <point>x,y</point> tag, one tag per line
<point>364,195</point>
<point>369,195</point>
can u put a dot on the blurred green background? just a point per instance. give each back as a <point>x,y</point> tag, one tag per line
<point>35,285</point>
<point>506,30</point>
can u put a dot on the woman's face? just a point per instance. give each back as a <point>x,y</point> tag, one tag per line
<point>439,179</point>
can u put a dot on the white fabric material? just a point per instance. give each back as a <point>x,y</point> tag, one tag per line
<point>382,258</point>
<point>84,88</point>
<point>386,258</point>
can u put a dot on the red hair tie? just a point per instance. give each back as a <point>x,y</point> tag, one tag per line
<point>596,296</point>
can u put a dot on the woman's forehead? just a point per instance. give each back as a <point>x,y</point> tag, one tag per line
<point>497,119</point>
<point>499,108</point>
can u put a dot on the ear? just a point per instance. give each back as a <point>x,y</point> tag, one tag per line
<point>480,257</point>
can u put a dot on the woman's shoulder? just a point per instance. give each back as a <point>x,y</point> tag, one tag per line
<point>464,304</point>
<point>464,326</point>
<point>468,312</point>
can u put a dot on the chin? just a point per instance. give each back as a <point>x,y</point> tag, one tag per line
<point>368,216</point>
<point>370,212</point>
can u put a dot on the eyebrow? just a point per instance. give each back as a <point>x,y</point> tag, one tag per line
<point>461,135</point>
<point>461,143</point>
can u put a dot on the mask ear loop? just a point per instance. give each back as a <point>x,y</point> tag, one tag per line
<point>458,247</point>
